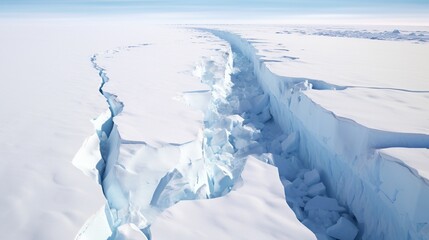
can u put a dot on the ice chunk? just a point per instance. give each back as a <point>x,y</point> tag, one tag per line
<point>232,121</point>
<point>324,203</point>
<point>287,167</point>
<point>301,86</point>
<point>290,144</point>
<point>241,143</point>
<point>344,229</point>
<point>323,217</point>
<point>311,177</point>
<point>247,132</point>
<point>265,115</point>
<point>164,194</point>
<point>259,103</point>
<point>220,137</point>
<point>299,184</point>
<point>316,189</point>
<point>267,158</point>
<point>88,158</point>
<point>220,180</point>
<point>245,105</point>
<point>228,147</point>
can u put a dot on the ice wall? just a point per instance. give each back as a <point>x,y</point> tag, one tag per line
<point>345,154</point>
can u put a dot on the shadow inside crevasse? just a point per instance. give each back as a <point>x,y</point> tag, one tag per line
<point>260,136</point>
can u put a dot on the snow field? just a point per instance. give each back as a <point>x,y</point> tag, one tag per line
<point>47,101</point>
<point>191,116</point>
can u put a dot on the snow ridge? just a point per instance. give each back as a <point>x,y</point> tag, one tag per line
<point>394,35</point>
<point>346,155</point>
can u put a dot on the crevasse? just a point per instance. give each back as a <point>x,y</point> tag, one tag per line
<point>345,153</point>
<point>140,181</point>
<point>241,125</point>
<point>318,155</point>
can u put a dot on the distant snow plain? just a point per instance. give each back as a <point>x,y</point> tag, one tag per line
<point>331,136</point>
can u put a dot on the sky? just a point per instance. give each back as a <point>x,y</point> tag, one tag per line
<point>227,9</point>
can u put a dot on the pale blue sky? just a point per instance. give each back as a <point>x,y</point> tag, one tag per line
<point>232,8</point>
<point>169,5</point>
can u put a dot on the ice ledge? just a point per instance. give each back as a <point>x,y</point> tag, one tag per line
<point>414,158</point>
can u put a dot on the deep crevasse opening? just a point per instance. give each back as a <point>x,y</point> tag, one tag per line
<point>345,153</point>
<point>305,192</point>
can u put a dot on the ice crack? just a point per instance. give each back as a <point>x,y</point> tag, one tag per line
<point>239,124</point>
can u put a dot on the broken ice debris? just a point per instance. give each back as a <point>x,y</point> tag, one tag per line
<point>324,203</point>
<point>344,229</point>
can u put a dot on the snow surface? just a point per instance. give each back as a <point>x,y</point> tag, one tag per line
<point>183,114</point>
<point>47,100</point>
<point>416,158</point>
<point>154,113</point>
<point>342,62</point>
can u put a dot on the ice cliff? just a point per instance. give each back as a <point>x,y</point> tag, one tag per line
<point>347,156</point>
